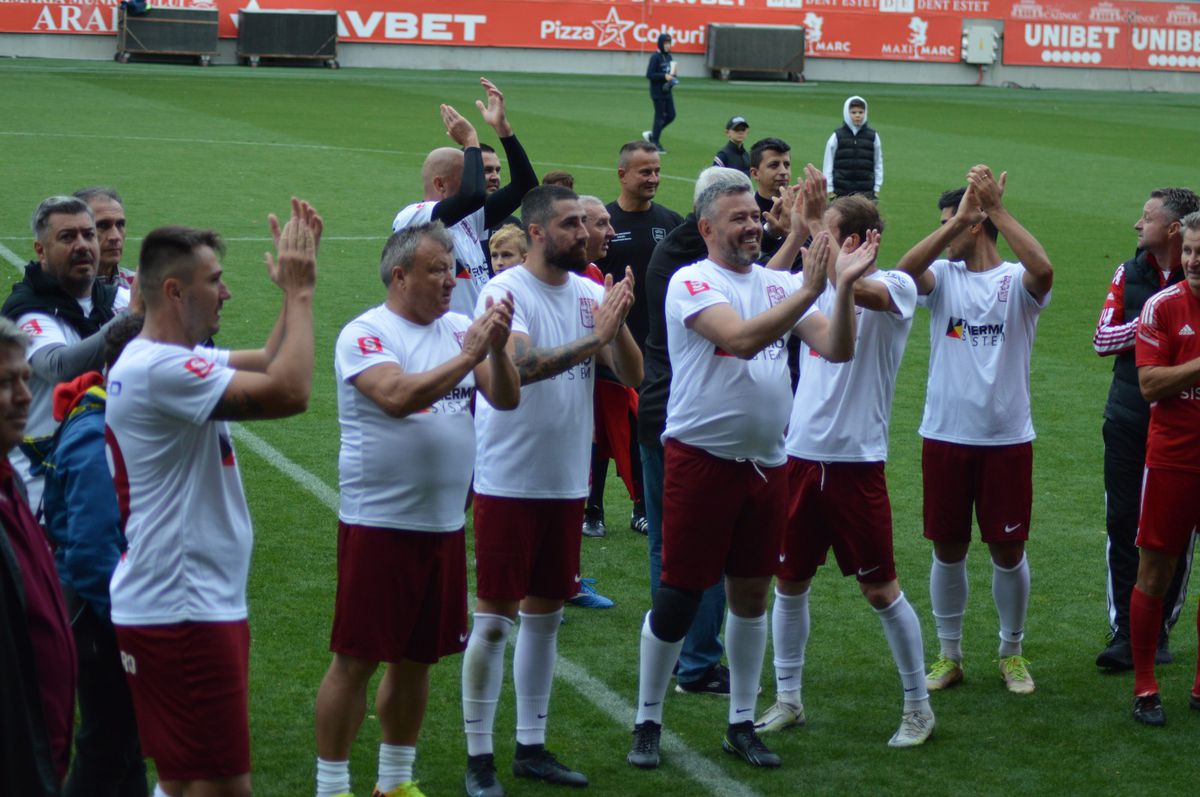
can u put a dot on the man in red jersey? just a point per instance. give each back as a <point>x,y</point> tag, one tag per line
<point>1168,360</point>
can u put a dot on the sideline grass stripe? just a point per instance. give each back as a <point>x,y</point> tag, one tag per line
<point>11,257</point>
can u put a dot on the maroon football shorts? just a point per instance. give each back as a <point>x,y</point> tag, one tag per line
<point>527,546</point>
<point>189,683</point>
<point>996,480</point>
<point>719,516</point>
<point>843,505</point>
<point>400,594</point>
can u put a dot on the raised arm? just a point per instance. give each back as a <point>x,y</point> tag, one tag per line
<point>535,363</point>
<point>472,191</point>
<point>916,261</point>
<point>283,388</point>
<point>745,338</point>
<point>833,338</point>
<point>1039,274</point>
<point>497,377</point>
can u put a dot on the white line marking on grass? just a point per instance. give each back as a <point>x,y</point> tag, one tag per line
<point>289,145</point>
<point>11,257</point>
<point>695,766</point>
<point>700,769</point>
<point>275,458</point>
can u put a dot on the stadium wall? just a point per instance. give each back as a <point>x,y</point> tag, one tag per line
<point>616,62</point>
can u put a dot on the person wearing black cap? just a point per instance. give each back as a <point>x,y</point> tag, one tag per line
<point>661,74</point>
<point>734,155</point>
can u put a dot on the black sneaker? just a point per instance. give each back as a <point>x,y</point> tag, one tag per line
<point>644,752</point>
<point>741,740</point>
<point>535,761</point>
<point>1118,656</point>
<point>1148,710</point>
<point>593,525</point>
<point>481,777</point>
<point>714,682</point>
<point>1194,701</point>
<point>638,521</point>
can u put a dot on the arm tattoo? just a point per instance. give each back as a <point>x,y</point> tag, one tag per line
<point>238,406</point>
<point>534,364</point>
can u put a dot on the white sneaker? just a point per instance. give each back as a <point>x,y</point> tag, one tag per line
<point>944,673</point>
<point>646,136</point>
<point>1015,671</point>
<point>780,717</point>
<point>915,727</point>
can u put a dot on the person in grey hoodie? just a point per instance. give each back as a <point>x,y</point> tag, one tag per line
<point>854,154</point>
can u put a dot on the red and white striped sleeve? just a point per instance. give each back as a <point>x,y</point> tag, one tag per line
<point>1114,334</point>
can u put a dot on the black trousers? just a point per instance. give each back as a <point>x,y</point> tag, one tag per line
<point>108,755</point>
<point>1124,466</point>
<point>664,114</point>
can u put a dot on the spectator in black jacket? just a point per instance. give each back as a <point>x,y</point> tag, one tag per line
<point>734,155</point>
<point>661,74</point>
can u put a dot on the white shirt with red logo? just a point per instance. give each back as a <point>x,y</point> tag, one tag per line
<point>1169,334</point>
<point>470,264</point>
<point>178,487</point>
<point>981,330</point>
<point>542,449</point>
<point>841,410</point>
<point>403,473</point>
<point>731,408</point>
<point>44,331</point>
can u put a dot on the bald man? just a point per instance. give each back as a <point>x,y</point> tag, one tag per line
<point>456,194</point>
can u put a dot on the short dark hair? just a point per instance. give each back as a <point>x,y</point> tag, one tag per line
<point>118,334</point>
<point>856,215</point>
<point>627,151</point>
<point>1179,202</point>
<point>88,194</point>
<point>402,246</point>
<point>486,147</point>
<point>538,205</point>
<point>165,250</point>
<point>53,206</point>
<point>764,144</point>
<point>857,102</point>
<point>559,177</point>
<point>952,198</point>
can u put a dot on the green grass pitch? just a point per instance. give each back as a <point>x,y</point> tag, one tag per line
<point>221,147</point>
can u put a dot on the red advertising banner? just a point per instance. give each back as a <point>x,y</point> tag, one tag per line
<point>1104,35</point>
<point>1069,33</point>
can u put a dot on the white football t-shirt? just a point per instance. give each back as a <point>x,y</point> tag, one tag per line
<point>403,473</point>
<point>730,407</point>
<point>178,488</point>
<point>981,330</point>
<point>542,449</point>
<point>44,330</point>
<point>470,264</point>
<point>841,410</point>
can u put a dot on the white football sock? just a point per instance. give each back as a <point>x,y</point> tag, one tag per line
<point>158,791</point>
<point>789,632</point>
<point>533,673</point>
<point>482,676</point>
<point>395,765</point>
<point>333,778</point>
<point>1010,591</point>
<point>656,659</point>
<point>745,646</point>
<point>948,594</point>
<point>903,632</point>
